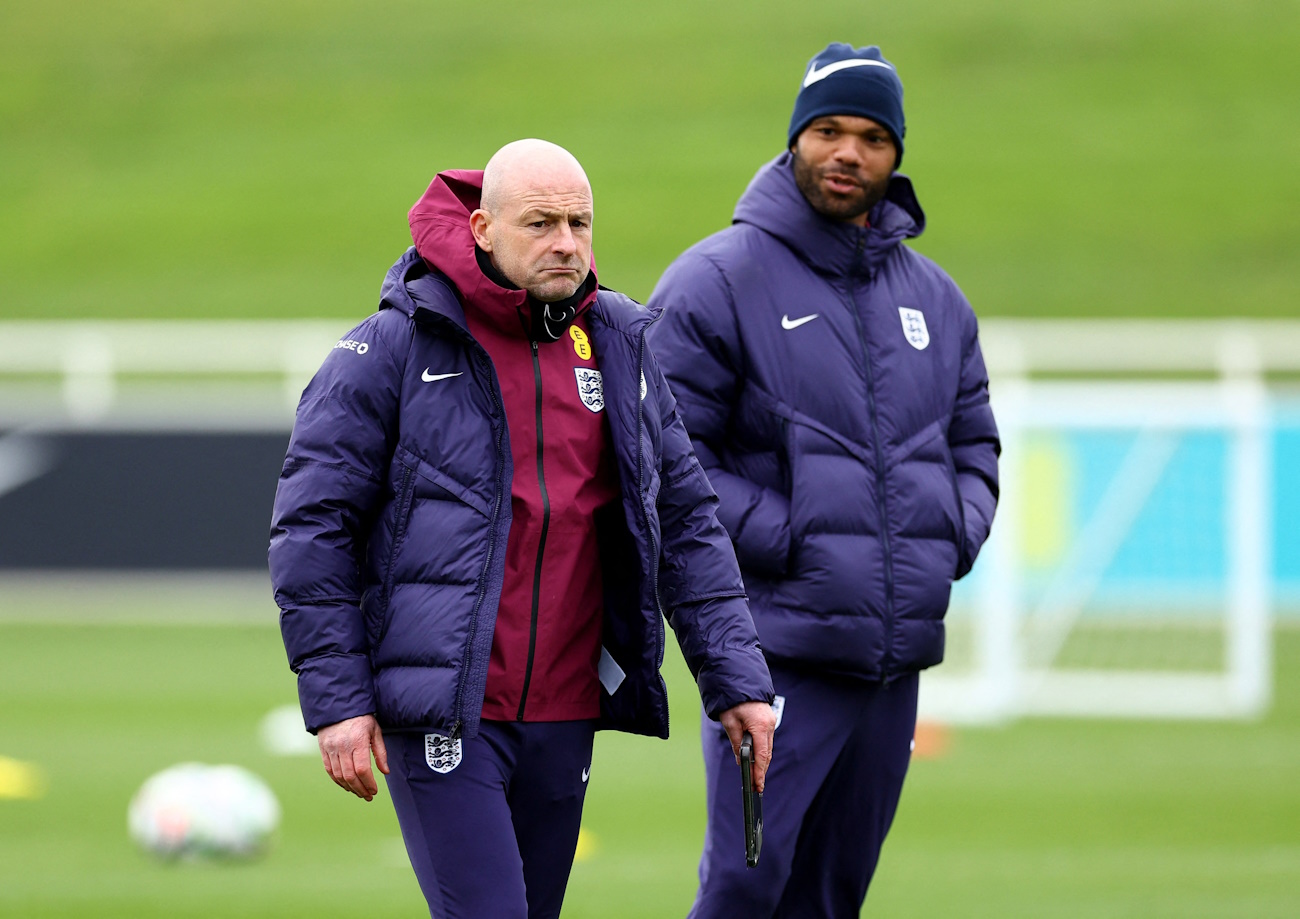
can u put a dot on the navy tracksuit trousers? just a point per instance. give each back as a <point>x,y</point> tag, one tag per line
<point>840,754</point>
<point>491,824</point>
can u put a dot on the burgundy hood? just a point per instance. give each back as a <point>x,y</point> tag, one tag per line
<point>440,229</point>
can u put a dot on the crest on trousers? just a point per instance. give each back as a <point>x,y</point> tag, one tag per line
<point>918,336</point>
<point>441,752</point>
<point>591,389</point>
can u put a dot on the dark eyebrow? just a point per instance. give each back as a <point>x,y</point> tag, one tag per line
<point>532,213</point>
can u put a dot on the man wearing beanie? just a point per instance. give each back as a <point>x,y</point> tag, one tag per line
<point>832,383</point>
<point>487,506</point>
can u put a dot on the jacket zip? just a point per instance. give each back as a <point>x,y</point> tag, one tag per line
<point>645,517</point>
<point>882,501</point>
<point>459,706</point>
<point>458,724</point>
<point>541,541</point>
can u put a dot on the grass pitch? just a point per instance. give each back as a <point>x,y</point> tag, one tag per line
<point>239,158</point>
<point>1041,819</point>
<point>243,159</point>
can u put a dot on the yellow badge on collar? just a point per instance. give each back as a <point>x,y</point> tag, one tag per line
<point>581,343</point>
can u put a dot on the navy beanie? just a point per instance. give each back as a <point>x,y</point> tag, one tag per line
<point>843,80</point>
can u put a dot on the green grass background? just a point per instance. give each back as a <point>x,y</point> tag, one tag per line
<point>1041,819</point>
<point>257,157</point>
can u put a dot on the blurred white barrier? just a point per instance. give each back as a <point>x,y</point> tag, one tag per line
<point>1143,444</point>
<point>1097,346</point>
<point>202,374</point>
<point>90,373</point>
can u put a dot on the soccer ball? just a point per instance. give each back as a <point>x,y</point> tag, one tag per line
<point>196,811</point>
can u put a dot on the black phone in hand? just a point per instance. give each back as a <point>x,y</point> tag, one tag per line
<point>753,802</point>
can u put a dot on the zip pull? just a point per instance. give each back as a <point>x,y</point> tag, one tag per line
<point>859,247</point>
<point>534,349</point>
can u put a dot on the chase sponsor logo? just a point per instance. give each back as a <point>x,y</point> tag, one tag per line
<point>918,336</point>
<point>591,388</point>
<point>348,344</point>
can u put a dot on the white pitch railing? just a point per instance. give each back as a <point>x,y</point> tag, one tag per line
<point>93,364</point>
<point>92,361</point>
<point>1230,347</point>
<point>1047,376</point>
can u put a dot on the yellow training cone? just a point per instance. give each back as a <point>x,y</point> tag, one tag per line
<point>20,780</point>
<point>587,846</point>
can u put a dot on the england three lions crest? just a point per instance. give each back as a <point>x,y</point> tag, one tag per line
<point>914,330</point>
<point>441,752</point>
<point>591,389</point>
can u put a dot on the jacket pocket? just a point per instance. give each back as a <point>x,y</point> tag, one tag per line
<point>402,519</point>
<point>385,543</point>
<point>957,516</point>
<point>836,561</point>
<point>830,476</point>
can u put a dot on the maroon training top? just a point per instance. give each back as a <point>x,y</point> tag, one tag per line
<point>546,646</point>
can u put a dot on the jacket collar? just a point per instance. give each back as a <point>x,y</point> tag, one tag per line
<point>621,313</point>
<point>773,203</point>
<point>440,228</point>
<point>415,289</point>
<point>421,292</point>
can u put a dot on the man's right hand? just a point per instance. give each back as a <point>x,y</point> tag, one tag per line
<point>759,721</point>
<point>345,750</point>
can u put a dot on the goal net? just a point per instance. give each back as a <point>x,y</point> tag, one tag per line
<point>1128,570</point>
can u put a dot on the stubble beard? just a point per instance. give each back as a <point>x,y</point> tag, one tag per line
<point>556,289</point>
<point>834,206</point>
<point>533,278</point>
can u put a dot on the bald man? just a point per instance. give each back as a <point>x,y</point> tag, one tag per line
<point>487,505</point>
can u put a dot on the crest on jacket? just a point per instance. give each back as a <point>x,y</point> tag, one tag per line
<point>918,336</point>
<point>591,389</point>
<point>441,752</point>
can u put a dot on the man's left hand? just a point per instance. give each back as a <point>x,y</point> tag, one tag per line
<point>760,721</point>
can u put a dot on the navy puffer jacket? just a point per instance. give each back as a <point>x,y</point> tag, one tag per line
<point>392,513</point>
<point>832,381</point>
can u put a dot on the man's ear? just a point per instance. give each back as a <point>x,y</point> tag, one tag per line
<point>479,221</point>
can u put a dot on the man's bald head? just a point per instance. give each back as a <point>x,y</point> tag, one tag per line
<point>529,164</point>
<point>534,218</point>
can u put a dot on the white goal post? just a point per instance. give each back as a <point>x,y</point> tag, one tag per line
<point>1019,632</point>
<point>1156,602</point>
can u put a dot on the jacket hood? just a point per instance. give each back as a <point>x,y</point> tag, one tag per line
<point>410,286</point>
<point>774,204</point>
<point>440,229</point>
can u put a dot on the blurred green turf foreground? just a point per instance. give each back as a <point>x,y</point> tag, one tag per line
<point>248,159</point>
<point>239,158</point>
<point>1040,820</point>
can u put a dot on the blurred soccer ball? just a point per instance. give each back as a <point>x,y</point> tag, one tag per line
<point>198,811</point>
